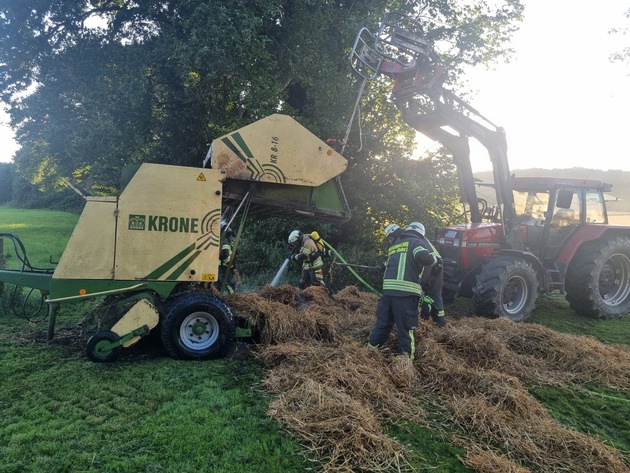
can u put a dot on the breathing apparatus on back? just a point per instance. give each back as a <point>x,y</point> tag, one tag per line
<point>319,242</point>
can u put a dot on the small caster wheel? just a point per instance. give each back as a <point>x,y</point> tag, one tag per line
<point>99,349</point>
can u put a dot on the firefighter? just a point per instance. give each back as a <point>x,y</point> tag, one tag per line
<point>303,248</point>
<point>226,261</point>
<point>406,260</point>
<point>432,282</point>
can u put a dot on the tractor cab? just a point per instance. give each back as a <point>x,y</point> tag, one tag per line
<point>552,211</point>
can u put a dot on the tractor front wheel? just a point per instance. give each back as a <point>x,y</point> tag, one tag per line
<point>506,287</point>
<point>598,279</point>
<point>198,326</point>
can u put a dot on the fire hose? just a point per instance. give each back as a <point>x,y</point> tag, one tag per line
<point>350,266</point>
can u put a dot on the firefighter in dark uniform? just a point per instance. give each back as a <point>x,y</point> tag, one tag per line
<point>304,249</point>
<point>402,290</point>
<point>432,282</point>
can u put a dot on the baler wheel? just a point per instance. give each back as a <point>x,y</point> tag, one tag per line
<point>198,326</point>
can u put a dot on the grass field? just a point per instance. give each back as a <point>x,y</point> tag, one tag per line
<point>149,413</point>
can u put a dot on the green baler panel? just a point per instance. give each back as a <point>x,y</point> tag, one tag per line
<point>324,197</point>
<point>324,203</point>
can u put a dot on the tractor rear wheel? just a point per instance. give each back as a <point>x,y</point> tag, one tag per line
<point>598,279</point>
<point>198,326</point>
<point>506,287</point>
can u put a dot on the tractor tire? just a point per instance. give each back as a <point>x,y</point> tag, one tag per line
<point>197,326</point>
<point>506,287</point>
<point>597,282</point>
<point>96,347</point>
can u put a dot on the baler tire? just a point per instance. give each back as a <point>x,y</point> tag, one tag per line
<point>597,281</point>
<point>506,286</point>
<point>95,343</point>
<point>198,326</point>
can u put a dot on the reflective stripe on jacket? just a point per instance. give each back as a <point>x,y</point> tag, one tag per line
<point>406,259</point>
<point>312,260</point>
<point>226,252</point>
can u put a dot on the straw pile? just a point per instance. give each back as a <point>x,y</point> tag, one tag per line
<point>284,314</point>
<point>337,395</point>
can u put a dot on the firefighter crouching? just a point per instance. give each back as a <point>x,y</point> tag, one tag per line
<point>303,248</point>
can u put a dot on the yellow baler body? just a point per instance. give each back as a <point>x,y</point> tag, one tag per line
<point>276,149</point>
<point>165,226</point>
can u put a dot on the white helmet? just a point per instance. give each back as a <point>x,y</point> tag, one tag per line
<point>391,228</point>
<point>416,227</point>
<point>295,236</point>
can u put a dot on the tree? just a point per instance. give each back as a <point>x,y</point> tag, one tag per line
<point>95,84</point>
<point>7,175</point>
<point>624,54</point>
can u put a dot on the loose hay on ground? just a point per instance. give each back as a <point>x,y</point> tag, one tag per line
<point>286,318</point>
<point>475,369</point>
<point>535,353</point>
<point>348,438</point>
<point>489,461</point>
<point>361,373</point>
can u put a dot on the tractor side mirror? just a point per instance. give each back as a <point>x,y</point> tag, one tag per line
<point>564,199</point>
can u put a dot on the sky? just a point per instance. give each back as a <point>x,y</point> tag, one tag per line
<point>561,101</point>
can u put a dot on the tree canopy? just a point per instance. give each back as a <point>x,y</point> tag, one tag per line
<point>93,85</point>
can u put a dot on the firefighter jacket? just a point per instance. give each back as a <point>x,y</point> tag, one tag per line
<point>226,252</point>
<point>406,259</point>
<point>309,255</point>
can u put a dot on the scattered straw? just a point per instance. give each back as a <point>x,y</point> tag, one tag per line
<point>335,393</point>
<point>283,314</point>
<point>485,460</point>
<point>348,438</point>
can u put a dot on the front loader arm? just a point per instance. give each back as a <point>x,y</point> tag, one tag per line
<point>437,112</point>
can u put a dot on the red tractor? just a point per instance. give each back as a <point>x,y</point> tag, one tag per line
<point>541,234</point>
<point>564,243</point>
